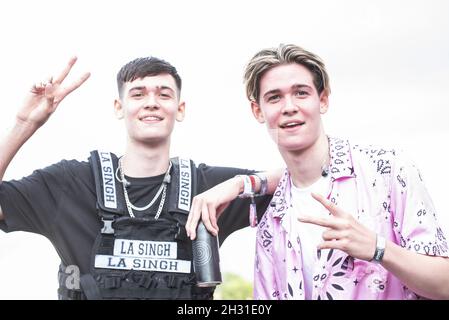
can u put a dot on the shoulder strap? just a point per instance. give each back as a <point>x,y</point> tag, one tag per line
<point>110,197</point>
<point>183,185</point>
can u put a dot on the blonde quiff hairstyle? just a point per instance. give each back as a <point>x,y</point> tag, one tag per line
<point>266,59</point>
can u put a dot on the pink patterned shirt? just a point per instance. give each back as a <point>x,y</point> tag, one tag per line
<point>385,193</point>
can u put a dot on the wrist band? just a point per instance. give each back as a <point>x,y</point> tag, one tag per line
<point>249,184</point>
<point>253,184</point>
<point>252,213</point>
<point>263,184</point>
<point>248,189</point>
<point>380,249</point>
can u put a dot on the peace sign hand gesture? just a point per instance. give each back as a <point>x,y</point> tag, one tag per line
<point>343,231</point>
<point>44,98</point>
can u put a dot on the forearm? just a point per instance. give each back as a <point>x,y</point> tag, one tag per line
<point>12,142</point>
<point>427,276</point>
<point>210,204</point>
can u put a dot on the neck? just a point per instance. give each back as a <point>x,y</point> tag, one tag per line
<point>306,165</point>
<point>145,161</point>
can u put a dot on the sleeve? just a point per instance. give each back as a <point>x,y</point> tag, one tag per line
<point>415,218</point>
<point>31,203</point>
<point>236,215</point>
<point>264,277</point>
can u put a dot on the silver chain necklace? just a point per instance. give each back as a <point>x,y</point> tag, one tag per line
<point>162,189</point>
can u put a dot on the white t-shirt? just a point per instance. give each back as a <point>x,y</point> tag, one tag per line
<point>309,234</point>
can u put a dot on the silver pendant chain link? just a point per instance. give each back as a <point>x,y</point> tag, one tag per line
<point>162,189</point>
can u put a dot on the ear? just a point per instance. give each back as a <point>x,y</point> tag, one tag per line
<point>257,112</point>
<point>324,102</point>
<point>180,114</point>
<point>118,109</point>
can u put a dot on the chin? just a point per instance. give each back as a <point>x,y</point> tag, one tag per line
<point>150,139</point>
<point>291,146</point>
<point>153,134</point>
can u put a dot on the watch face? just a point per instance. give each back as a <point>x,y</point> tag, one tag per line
<point>378,255</point>
<point>380,249</point>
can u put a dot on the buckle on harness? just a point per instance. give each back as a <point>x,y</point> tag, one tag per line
<point>112,282</point>
<point>107,226</point>
<point>181,233</point>
<point>145,280</point>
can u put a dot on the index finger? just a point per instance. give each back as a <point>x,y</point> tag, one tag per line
<point>193,218</point>
<point>76,84</point>
<point>65,71</point>
<point>327,204</point>
<point>324,222</point>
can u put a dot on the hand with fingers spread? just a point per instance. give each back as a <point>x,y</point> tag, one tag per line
<point>44,98</point>
<point>343,231</point>
<point>210,204</point>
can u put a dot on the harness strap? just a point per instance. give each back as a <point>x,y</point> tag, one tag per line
<point>183,186</point>
<point>90,287</point>
<point>110,197</point>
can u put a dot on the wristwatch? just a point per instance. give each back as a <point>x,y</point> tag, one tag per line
<point>380,249</point>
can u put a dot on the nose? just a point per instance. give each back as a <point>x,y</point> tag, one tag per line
<point>151,102</point>
<point>290,106</point>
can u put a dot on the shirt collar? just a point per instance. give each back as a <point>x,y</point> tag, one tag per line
<point>341,165</point>
<point>281,197</point>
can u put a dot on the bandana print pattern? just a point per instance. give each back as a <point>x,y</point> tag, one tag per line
<point>398,207</point>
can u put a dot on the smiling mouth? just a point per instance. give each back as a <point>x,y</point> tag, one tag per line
<point>151,119</point>
<point>292,124</point>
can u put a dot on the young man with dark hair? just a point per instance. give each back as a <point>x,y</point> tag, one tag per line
<point>118,221</point>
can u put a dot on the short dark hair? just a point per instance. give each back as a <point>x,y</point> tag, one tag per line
<point>144,67</point>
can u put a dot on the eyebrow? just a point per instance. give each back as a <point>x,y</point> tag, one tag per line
<point>138,88</point>
<point>295,86</point>
<point>301,86</point>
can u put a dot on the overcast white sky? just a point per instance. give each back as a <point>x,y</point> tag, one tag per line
<point>388,64</point>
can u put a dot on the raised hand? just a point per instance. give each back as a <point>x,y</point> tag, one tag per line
<point>44,97</point>
<point>343,232</point>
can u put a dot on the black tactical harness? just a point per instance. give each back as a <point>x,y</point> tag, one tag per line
<point>139,258</point>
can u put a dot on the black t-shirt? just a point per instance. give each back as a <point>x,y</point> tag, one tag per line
<point>59,202</point>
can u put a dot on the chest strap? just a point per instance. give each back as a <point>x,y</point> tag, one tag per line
<point>111,200</point>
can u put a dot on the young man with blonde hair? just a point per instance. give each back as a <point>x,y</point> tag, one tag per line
<point>346,221</point>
